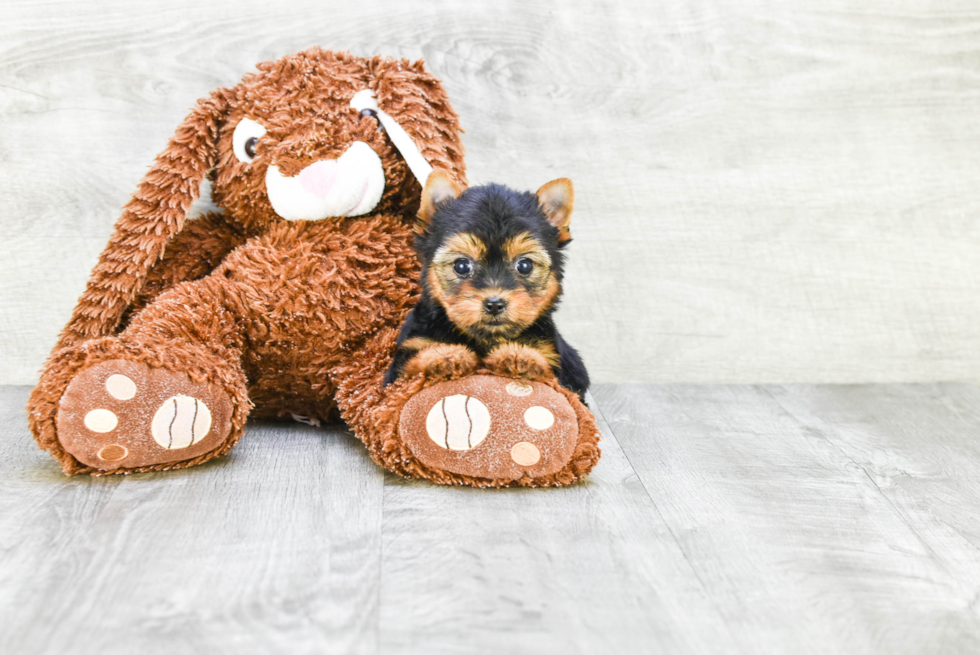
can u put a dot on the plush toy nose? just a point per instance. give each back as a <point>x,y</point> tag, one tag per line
<point>494,306</point>
<point>318,178</point>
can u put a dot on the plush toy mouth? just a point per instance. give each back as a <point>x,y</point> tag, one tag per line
<point>349,186</point>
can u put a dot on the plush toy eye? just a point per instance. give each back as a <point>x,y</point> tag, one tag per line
<point>367,111</point>
<point>524,266</point>
<point>463,267</point>
<point>246,138</point>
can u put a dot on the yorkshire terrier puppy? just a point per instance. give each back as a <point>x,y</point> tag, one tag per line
<point>491,279</point>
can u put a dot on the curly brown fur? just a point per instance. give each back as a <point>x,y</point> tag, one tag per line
<point>282,95</point>
<point>193,253</point>
<point>288,316</point>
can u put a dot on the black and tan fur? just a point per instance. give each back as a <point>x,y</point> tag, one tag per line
<point>492,268</point>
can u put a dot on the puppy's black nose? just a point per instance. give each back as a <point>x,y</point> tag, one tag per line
<point>494,306</point>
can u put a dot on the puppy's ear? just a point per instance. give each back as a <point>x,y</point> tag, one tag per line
<point>439,188</point>
<point>557,199</point>
<point>149,221</point>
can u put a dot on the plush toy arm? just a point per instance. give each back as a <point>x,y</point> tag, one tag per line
<point>196,251</point>
<point>149,222</point>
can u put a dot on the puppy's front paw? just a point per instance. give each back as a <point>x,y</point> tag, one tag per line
<point>516,360</point>
<point>442,361</point>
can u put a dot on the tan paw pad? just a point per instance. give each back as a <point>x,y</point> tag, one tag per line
<point>181,421</point>
<point>478,426</point>
<point>539,418</point>
<point>101,421</point>
<point>119,413</point>
<point>113,453</point>
<point>458,422</point>
<point>120,387</point>
<point>525,453</point>
<point>517,388</point>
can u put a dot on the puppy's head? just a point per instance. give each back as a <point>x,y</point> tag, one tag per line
<point>492,256</point>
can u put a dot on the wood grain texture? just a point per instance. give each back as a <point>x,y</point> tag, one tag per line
<point>721,519</point>
<point>823,519</point>
<point>272,549</point>
<point>765,192</point>
<point>588,569</point>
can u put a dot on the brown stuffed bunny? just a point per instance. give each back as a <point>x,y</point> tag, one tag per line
<point>288,301</point>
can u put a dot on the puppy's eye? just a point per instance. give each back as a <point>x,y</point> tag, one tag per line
<point>463,267</point>
<point>524,266</point>
<point>245,139</point>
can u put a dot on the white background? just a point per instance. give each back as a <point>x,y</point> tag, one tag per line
<point>764,193</point>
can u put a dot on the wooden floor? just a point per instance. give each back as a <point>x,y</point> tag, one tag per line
<point>766,519</point>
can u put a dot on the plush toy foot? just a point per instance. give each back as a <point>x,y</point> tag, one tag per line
<point>120,414</point>
<point>497,430</point>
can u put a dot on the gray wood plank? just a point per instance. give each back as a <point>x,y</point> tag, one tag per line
<point>765,191</point>
<point>783,501</point>
<point>588,569</point>
<point>920,447</point>
<point>274,548</point>
<point>766,519</point>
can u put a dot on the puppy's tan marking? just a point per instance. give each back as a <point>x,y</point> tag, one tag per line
<point>439,188</point>
<point>418,343</point>
<point>442,361</point>
<point>546,349</point>
<point>525,245</point>
<point>517,360</point>
<point>443,280</point>
<point>465,307</point>
<point>524,308</point>
<point>464,244</point>
<point>557,199</point>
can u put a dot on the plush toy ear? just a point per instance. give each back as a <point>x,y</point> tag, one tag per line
<point>438,189</point>
<point>557,199</point>
<point>417,100</point>
<point>153,216</point>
